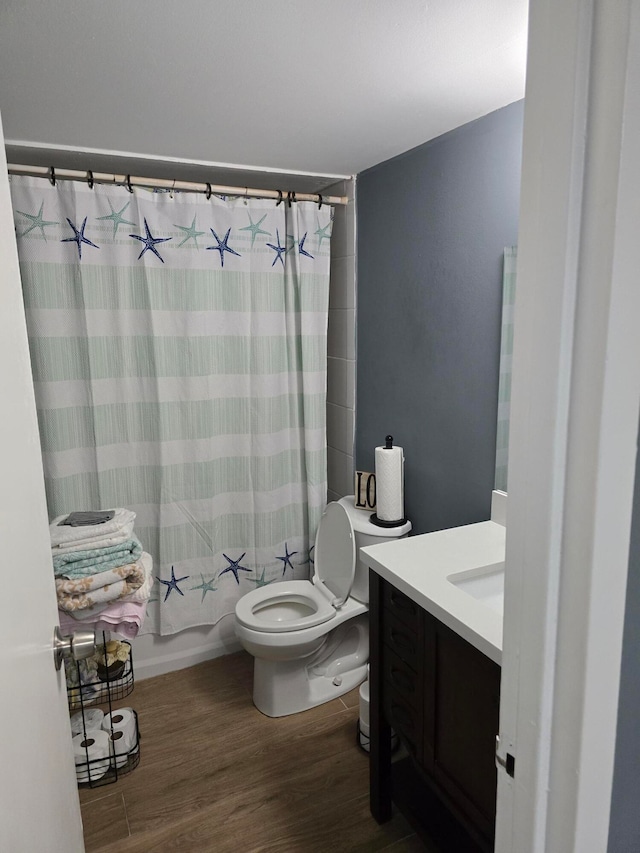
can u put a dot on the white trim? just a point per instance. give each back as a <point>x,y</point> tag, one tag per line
<point>574,421</point>
<point>157,158</point>
<point>172,661</point>
<point>499,507</point>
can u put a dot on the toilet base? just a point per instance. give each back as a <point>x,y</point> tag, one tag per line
<point>287,687</point>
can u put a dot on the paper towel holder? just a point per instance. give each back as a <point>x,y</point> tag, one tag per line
<point>373,518</point>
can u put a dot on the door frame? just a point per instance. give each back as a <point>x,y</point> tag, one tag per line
<point>574,426</point>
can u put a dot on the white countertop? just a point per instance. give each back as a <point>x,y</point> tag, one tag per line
<point>422,568</point>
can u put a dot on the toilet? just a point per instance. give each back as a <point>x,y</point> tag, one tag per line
<point>310,639</point>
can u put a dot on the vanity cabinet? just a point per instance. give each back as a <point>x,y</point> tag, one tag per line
<point>441,696</point>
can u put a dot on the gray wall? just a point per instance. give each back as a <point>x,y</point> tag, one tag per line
<point>624,827</point>
<point>431,228</point>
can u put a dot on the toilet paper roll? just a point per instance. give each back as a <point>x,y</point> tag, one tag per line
<point>122,743</point>
<point>93,718</point>
<point>389,483</point>
<point>91,753</point>
<point>122,719</point>
<point>122,729</point>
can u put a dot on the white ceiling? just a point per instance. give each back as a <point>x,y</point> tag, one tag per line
<point>324,86</point>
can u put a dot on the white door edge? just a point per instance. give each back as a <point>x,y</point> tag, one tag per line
<point>38,787</point>
<point>574,426</point>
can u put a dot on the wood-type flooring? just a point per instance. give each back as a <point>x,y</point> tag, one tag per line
<point>217,776</point>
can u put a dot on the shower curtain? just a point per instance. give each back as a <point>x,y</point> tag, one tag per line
<point>178,349</point>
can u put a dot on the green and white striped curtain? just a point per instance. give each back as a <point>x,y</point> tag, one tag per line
<point>178,348</point>
<point>506,358</point>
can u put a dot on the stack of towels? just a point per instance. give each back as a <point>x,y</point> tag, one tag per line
<point>103,577</point>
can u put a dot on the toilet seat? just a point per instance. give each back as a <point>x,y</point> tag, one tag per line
<point>297,605</point>
<point>266,609</point>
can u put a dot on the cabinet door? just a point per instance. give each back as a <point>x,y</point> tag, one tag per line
<point>466,713</point>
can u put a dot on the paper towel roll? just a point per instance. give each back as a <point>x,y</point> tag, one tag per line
<point>93,718</point>
<point>389,483</point>
<point>91,753</point>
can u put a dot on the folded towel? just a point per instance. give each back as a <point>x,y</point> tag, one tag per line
<point>102,588</point>
<point>87,517</point>
<point>123,607</point>
<point>81,564</point>
<point>105,541</point>
<point>127,625</point>
<point>64,535</point>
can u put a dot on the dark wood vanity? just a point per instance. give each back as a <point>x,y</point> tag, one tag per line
<point>441,696</point>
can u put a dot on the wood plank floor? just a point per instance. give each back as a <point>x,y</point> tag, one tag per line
<point>217,775</point>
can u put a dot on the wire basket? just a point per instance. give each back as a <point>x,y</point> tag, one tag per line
<point>104,686</point>
<point>94,772</point>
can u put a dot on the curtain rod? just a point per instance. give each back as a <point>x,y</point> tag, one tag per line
<point>130,181</point>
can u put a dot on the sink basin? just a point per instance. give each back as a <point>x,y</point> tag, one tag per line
<point>485,584</point>
<point>456,575</point>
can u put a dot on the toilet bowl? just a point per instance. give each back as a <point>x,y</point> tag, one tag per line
<point>310,639</point>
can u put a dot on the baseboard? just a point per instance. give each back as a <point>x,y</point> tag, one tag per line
<point>172,661</point>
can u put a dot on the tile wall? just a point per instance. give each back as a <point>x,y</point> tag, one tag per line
<point>341,350</point>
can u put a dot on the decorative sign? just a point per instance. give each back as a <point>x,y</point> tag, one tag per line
<point>365,490</point>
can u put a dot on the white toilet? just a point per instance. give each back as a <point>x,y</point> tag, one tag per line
<point>310,639</point>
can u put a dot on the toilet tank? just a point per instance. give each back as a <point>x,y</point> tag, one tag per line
<point>367,533</point>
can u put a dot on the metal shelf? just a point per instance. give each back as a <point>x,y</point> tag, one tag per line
<point>93,773</point>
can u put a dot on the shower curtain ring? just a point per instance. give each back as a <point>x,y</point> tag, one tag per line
<point>90,179</point>
<point>279,198</point>
<point>52,176</point>
<point>289,198</point>
<point>208,191</point>
<point>319,201</point>
<point>128,183</point>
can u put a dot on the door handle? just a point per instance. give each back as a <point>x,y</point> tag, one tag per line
<point>80,645</point>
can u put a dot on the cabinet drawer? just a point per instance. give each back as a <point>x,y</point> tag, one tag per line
<point>401,680</point>
<point>405,641</point>
<point>404,719</point>
<point>401,606</point>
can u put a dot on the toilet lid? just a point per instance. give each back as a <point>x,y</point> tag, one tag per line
<point>335,552</point>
